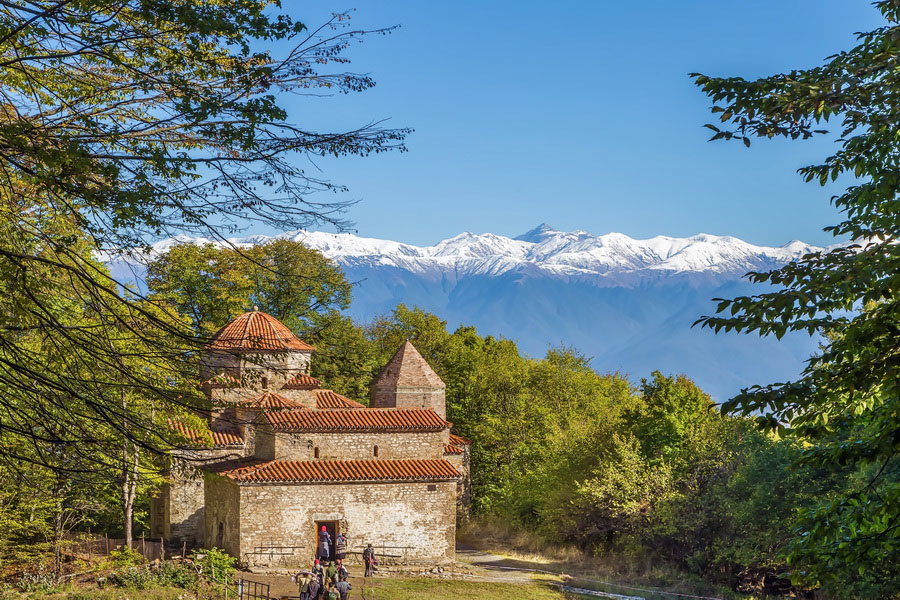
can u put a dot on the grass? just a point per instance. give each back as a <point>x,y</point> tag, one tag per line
<point>446,589</point>
<point>93,593</point>
<point>525,549</point>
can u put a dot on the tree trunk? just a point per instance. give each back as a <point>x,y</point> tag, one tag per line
<point>129,492</point>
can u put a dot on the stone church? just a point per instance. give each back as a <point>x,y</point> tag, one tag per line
<point>283,456</point>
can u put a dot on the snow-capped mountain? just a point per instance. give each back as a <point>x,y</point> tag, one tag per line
<point>627,303</point>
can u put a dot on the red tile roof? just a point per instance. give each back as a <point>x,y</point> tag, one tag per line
<point>218,437</point>
<point>329,399</point>
<point>269,400</point>
<point>407,368</point>
<point>256,331</point>
<point>458,440</point>
<point>367,419</point>
<point>302,381</point>
<point>276,471</point>
<point>451,449</point>
<point>222,380</point>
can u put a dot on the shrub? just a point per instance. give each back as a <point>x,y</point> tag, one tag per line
<point>135,578</point>
<point>215,564</point>
<point>37,582</point>
<point>176,575</point>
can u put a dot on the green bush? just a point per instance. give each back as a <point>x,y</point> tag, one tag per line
<point>176,575</point>
<point>133,577</point>
<point>214,564</point>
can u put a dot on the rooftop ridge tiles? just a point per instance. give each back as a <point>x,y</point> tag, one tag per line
<point>276,471</point>
<point>355,419</point>
<point>256,331</point>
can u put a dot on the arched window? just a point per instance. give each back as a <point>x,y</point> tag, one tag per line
<point>375,451</point>
<point>316,452</point>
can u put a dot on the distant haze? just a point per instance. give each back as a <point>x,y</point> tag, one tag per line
<point>628,304</point>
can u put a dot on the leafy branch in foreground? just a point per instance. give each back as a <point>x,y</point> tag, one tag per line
<point>846,400</point>
<point>122,121</point>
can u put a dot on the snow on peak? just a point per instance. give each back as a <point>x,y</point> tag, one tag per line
<point>615,258</point>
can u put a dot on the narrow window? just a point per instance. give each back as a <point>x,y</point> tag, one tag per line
<point>265,383</point>
<point>375,451</point>
<point>432,488</point>
<point>316,452</point>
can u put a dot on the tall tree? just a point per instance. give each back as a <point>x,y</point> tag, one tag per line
<point>847,400</point>
<point>126,120</point>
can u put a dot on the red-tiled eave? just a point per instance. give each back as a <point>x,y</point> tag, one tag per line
<point>302,381</point>
<point>218,437</point>
<point>269,400</point>
<point>364,419</point>
<point>256,331</point>
<point>458,440</point>
<point>329,471</point>
<point>451,449</point>
<point>329,399</point>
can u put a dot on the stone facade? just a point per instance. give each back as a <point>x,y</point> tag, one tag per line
<point>275,525</point>
<point>390,477</point>
<point>343,446</point>
<point>177,511</point>
<point>408,382</point>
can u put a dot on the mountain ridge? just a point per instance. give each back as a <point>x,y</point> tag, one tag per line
<point>628,304</point>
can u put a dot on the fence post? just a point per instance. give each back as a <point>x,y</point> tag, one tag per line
<point>106,543</point>
<point>143,547</point>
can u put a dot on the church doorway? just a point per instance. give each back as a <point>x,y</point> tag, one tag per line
<point>332,528</point>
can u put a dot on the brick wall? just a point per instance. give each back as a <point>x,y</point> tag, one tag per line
<point>277,526</point>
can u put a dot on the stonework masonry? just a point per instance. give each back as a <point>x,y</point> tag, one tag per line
<point>292,455</point>
<point>415,522</point>
<point>348,446</point>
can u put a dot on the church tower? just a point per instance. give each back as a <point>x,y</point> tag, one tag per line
<point>408,382</point>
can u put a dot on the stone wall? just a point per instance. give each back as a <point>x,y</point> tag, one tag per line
<point>222,518</point>
<point>349,446</point>
<point>461,463</point>
<point>176,512</point>
<point>416,522</point>
<point>251,368</point>
<point>384,396</point>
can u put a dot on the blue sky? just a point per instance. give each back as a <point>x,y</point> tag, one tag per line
<point>578,114</point>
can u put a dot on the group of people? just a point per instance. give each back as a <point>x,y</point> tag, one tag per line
<point>330,580</point>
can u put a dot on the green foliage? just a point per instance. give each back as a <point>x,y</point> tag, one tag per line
<point>211,284</point>
<point>214,563</point>
<point>847,401</point>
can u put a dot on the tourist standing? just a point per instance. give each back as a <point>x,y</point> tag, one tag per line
<point>324,550</point>
<point>318,572</point>
<point>343,587</point>
<point>331,574</point>
<point>303,585</point>
<point>340,547</point>
<point>342,572</point>
<point>314,587</point>
<point>369,559</point>
<point>332,592</point>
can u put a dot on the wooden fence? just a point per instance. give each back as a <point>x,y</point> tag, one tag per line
<point>89,545</point>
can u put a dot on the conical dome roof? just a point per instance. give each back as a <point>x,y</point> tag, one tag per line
<point>407,368</point>
<point>257,331</point>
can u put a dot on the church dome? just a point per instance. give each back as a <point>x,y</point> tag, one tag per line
<point>257,331</point>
